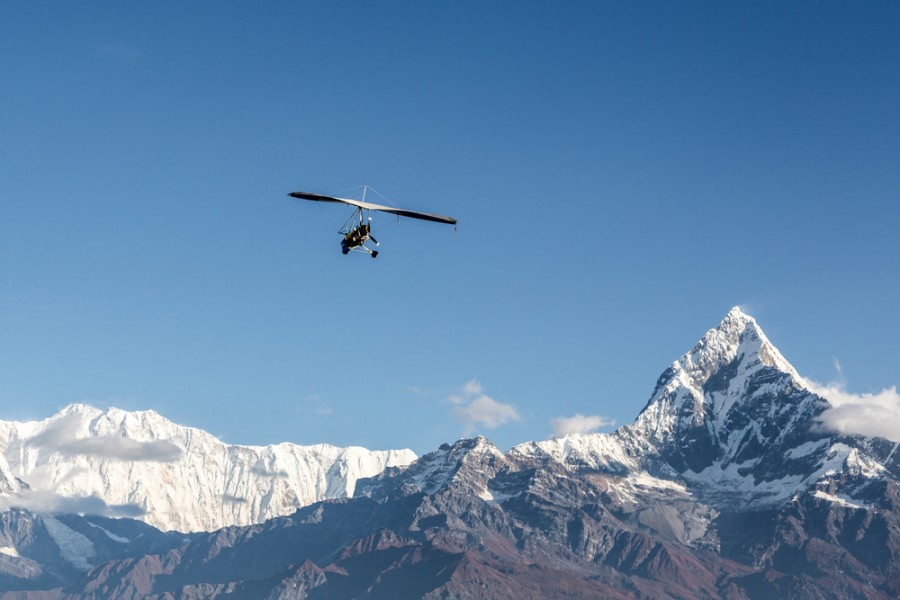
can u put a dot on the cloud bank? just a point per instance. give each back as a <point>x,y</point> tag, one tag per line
<point>264,471</point>
<point>61,437</point>
<point>579,423</point>
<point>234,499</point>
<point>46,501</point>
<point>476,409</point>
<point>871,415</point>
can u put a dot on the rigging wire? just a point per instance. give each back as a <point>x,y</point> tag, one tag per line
<point>382,196</point>
<point>386,199</point>
<point>355,187</point>
<point>392,223</point>
<point>350,223</point>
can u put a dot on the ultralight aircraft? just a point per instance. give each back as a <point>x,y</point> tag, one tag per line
<point>358,230</point>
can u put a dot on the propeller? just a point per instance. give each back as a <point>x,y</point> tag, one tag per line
<point>370,233</point>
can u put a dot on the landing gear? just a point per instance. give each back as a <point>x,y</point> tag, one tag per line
<point>374,253</point>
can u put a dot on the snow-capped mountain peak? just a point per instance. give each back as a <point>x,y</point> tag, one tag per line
<point>702,387</point>
<point>732,404</point>
<point>737,337</point>
<point>140,464</point>
<point>444,467</point>
<point>732,419</point>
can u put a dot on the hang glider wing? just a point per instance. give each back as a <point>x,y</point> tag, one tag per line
<point>414,214</point>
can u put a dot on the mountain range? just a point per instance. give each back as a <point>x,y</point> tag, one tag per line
<point>141,465</point>
<point>727,485</point>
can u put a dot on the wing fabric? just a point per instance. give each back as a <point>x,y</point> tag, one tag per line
<point>316,197</point>
<point>414,214</point>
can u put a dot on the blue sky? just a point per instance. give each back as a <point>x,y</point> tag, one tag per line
<point>623,174</point>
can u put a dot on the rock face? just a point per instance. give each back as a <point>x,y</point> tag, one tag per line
<point>726,486</point>
<point>39,552</point>
<point>141,465</point>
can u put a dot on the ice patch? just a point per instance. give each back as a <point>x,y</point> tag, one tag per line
<point>9,551</point>
<point>737,485</point>
<point>859,464</point>
<point>110,535</point>
<point>628,489</point>
<point>836,458</point>
<point>496,497</point>
<point>841,500</point>
<point>805,449</point>
<point>73,546</point>
<point>647,481</point>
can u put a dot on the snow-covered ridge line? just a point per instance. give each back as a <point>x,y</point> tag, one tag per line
<point>139,464</point>
<point>730,422</point>
<point>734,421</point>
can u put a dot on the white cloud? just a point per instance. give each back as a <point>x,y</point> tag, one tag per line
<point>46,501</point>
<point>314,405</point>
<point>264,471</point>
<point>234,499</point>
<point>473,388</point>
<point>61,437</point>
<point>872,415</point>
<point>476,409</point>
<point>579,423</point>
